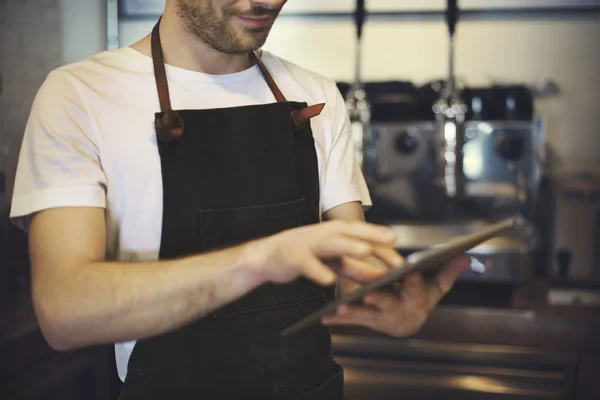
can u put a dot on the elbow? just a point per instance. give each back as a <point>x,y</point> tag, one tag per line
<point>56,338</point>
<point>54,326</point>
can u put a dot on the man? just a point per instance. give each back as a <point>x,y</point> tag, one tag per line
<point>173,192</point>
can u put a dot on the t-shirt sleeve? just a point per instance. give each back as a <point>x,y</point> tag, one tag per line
<point>343,179</point>
<point>59,162</point>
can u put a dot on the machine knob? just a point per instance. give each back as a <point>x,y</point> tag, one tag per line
<point>510,147</point>
<point>564,257</point>
<point>406,143</point>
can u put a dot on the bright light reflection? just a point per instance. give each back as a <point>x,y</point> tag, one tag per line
<point>450,132</point>
<point>473,160</point>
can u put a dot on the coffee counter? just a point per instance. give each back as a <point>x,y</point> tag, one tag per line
<point>461,352</point>
<point>479,353</point>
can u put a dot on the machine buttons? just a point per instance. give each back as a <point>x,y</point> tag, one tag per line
<point>406,143</point>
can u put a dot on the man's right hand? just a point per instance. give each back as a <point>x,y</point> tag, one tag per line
<point>82,299</point>
<point>319,252</point>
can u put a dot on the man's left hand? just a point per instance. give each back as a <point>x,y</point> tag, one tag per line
<point>402,312</point>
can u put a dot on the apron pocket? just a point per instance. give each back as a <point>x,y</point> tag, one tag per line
<point>220,228</point>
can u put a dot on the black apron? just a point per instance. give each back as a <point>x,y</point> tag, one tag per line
<point>231,175</point>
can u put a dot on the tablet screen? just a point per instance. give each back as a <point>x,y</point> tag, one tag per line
<point>427,262</point>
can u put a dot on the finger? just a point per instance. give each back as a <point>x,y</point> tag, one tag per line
<point>447,277</point>
<point>384,301</point>
<point>414,291</point>
<point>388,255</point>
<point>353,315</point>
<point>365,231</point>
<point>359,270</point>
<point>413,284</point>
<point>315,270</point>
<point>340,245</point>
<point>376,262</point>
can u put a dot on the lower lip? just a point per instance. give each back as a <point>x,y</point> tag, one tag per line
<point>255,22</point>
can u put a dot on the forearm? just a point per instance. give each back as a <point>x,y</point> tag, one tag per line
<point>104,302</point>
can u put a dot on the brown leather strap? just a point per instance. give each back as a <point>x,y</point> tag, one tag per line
<point>159,70</point>
<point>268,78</point>
<point>170,125</point>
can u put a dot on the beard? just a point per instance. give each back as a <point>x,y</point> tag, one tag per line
<point>218,30</point>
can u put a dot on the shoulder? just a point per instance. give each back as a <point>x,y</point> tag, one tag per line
<point>66,101</point>
<point>100,71</point>
<point>124,60</point>
<point>90,88</point>
<point>317,86</point>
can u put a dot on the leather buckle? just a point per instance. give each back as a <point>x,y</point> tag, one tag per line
<point>301,118</point>
<point>169,127</point>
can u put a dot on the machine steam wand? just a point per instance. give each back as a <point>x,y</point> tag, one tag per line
<point>450,113</point>
<point>357,104</point>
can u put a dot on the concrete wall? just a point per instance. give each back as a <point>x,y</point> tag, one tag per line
<point>83,28</point>
<point>29,48</point>
<point>37,36</point>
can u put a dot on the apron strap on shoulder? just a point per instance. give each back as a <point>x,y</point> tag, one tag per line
<point>169,125</point>
<point>268,78</point>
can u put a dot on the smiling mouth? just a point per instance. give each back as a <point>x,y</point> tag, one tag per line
<point>256,21</point>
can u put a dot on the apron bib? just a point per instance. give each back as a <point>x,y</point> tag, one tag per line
<point>231,175</point>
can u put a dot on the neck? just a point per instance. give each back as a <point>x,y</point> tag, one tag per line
<point>183,50</point>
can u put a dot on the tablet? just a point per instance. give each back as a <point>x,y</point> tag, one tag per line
<point>427,262</point>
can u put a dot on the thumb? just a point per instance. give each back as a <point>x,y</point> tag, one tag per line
<point>451,272</point>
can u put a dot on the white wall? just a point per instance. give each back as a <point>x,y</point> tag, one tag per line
<point>529,51</point>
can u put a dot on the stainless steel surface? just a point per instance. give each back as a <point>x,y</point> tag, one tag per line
<point>506,353</point>
<point>515,356</point>
<point>577,225</point>
<point>385,369</point>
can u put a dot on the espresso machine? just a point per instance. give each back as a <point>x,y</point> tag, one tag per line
<point>442,161</point>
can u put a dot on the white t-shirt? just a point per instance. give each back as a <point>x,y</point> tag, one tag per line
<point>90,141</point>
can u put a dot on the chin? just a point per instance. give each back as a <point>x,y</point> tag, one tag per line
<point>250,45</point>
